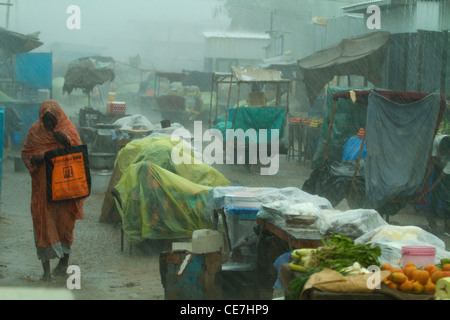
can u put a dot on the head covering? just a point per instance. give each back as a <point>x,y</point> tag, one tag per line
<point>41,140</point>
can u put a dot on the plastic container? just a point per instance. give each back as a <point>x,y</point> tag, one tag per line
<point>118,107</point>
<point>206,240</point>
<point>421,256</point>
<point>111,96</point>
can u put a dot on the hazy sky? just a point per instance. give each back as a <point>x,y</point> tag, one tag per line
<point>122,25</point>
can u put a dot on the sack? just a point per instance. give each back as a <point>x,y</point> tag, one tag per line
<point>68,174</point>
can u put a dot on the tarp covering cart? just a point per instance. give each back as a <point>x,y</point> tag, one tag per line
<point>157,198</point>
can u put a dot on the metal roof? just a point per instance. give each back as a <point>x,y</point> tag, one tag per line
<point>236,35</point>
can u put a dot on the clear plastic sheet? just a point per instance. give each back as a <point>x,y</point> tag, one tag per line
<point>243,229</point>
<point>391,239</point>
<point>351,223</point>
<point>265,196</point>
<point>134,122</point>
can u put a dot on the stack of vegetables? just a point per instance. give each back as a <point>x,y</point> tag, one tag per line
<point>315,123</point>
<point>338,253</point>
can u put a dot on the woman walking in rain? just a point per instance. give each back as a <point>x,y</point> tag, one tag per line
<point>53,222</point>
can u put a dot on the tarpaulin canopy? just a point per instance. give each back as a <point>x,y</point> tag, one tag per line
<point>86,73</point>
<point>14,43</point>
<point>34,69</point>
<point>257,75</point>
<point>361,55</point>
<point>172,76</point>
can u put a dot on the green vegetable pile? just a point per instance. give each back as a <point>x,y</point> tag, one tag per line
<point>337,253</point>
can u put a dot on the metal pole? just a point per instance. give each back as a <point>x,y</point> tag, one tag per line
<point>444,61</point>
<point>8,5</point>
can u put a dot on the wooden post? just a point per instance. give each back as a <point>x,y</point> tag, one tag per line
<point>210,100</point>
<point>325,156</point>
<point>237,106</point>
<point>228,103</point>
<point>357,166</point>
<point>287,96</point>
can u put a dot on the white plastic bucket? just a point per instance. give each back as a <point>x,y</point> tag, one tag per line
<point>206,240</point>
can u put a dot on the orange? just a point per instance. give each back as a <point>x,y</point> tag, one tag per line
<point>392,285</point>
<point>446,267</point>
<point>422,277</point>
<point>386,266</point>
<point>410,264</point>
<point>430,268</point>
<point>406,286</point>
<point>430,287</point>
<point>436,276</point>
<point>413,274</point>
<point>408,271</point>
<point>433,271</point>
<point>398,277</point>
<point>446,274</point>
<point>397,270</point>
<point>418,287</point>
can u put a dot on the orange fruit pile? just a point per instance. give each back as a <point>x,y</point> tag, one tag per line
<point>413,279</point>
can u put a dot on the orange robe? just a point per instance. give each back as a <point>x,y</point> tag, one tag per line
<point>53,222</point>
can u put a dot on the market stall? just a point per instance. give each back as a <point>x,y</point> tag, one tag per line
<point>262,109</point>
<point>297,240</point>
<point>178,99</point>
<point>346,269</point>
<point>398,117</point>
<point>304,137</point>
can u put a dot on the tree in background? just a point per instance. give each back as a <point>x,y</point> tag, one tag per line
<point>278,15</point>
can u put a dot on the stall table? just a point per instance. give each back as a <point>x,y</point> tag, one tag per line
<point>295,237</point>
<point>303,140</point>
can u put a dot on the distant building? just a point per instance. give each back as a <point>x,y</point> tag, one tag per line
<point>226,49</point>
<point>401,16</point>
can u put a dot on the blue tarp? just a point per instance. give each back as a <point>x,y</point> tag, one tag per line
<point>351,149</point>
<point>35,69</point>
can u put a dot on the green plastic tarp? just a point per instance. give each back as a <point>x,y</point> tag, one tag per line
<point>348,118</point>
<point>254,118</point>
<point>161,199</point>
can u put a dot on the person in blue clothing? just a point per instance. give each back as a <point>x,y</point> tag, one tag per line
<point>440,188</point>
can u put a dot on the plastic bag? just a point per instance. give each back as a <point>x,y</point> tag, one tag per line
<point>293,212</point>
<point>351,223</point>
<point>401,233</point>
